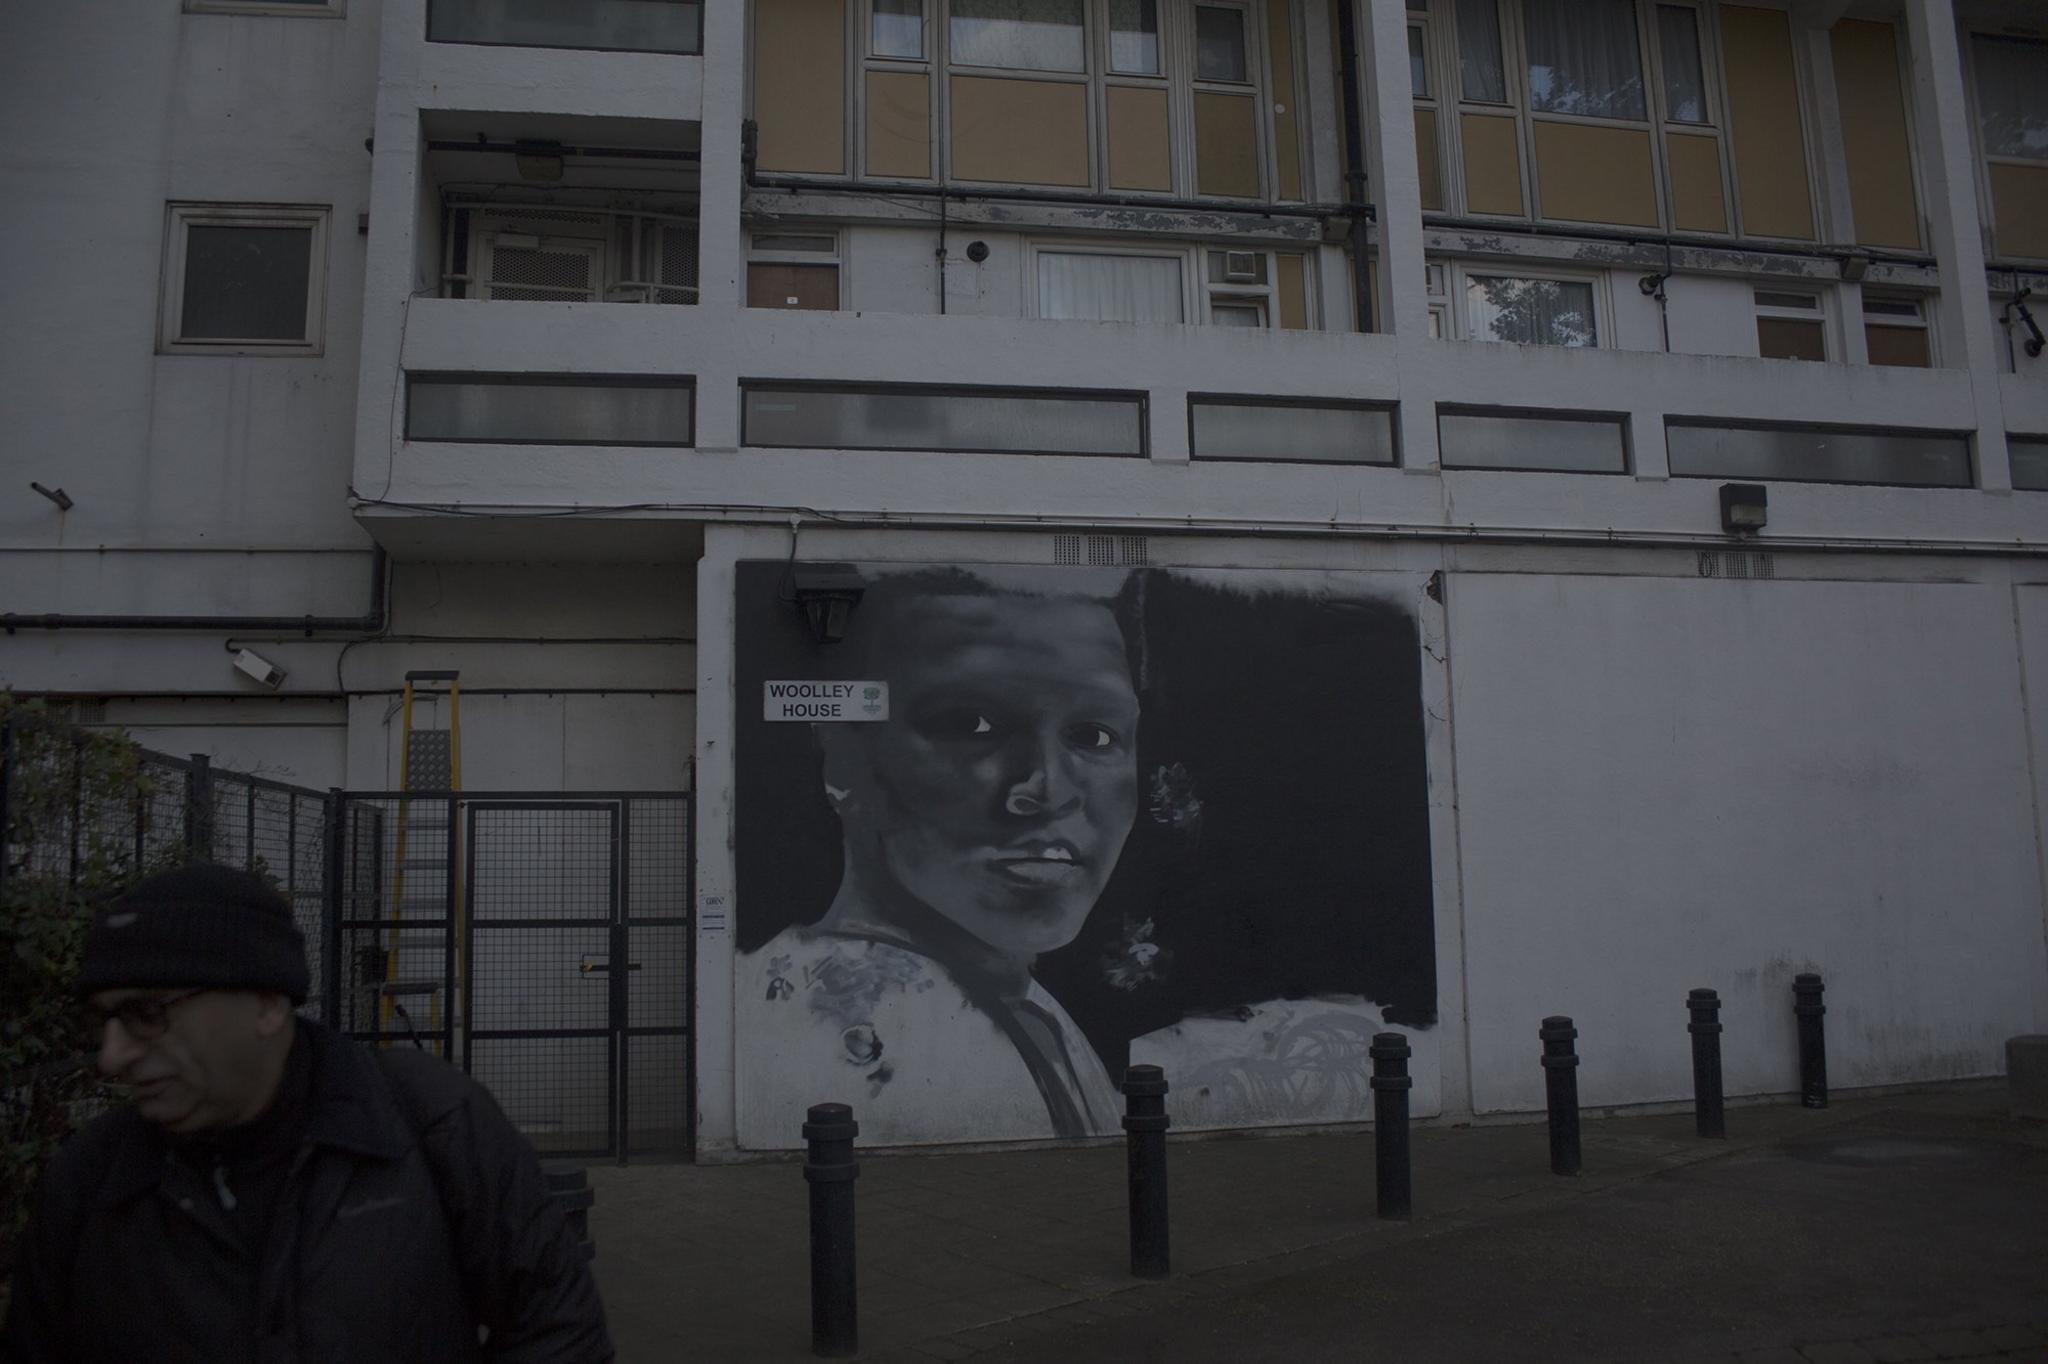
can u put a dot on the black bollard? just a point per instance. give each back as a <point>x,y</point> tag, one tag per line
<point>830,1168</point>
<point>1390,1086</point>
<point>1706,1063</point>
<point>1561,1085</point>
<point>1813,1046</point>
<point>1145,1122</point>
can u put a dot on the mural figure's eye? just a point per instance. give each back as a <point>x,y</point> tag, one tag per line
<point>1091,736</point>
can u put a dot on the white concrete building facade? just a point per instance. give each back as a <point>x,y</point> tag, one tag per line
<point>1382,376</point>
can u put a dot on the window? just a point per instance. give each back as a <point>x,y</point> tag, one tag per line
<point>1109,288</point>
<point>1482,70</point>
<point>549,409</point>
<point>1433,276</point>
<point>1019,35</point>
<point>2011,77</point>
<point>538,253</point>
<point>1583,58</point>
<point>1685,85</point>
<point>605,25</point>
<point>897,29</point>
<point>1220,44</point>
<point>2029,461</point>
<point>1531,442</point>
<point>243,279</point>
<point>1819,454</point>
<point>1134,37</point>
<point>1530,311</point>
<point>330,8</point>
<point>966,420</point>
<point>1895,330</point>
<point>1790,326</point>
<point>1277,429</point>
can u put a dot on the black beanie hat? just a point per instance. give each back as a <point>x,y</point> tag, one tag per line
<point>201,925</point>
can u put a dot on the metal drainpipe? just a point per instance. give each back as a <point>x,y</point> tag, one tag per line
<point>1354,170</point>
<point>368,624</point>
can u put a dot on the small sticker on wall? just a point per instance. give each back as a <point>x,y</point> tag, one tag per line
<point>714,914</point>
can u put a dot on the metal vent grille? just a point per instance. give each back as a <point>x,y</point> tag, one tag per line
<point>674,251</point>
<point>82,712</point>
<point>1736,563</point>
<point>524,273</point>
<point>1115,551</point>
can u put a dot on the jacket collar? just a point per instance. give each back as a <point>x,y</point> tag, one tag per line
<point>352,1110</point>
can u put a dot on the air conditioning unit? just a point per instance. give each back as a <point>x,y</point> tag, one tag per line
<point>1240,265</point>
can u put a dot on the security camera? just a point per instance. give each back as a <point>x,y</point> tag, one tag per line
<point>260,668</point>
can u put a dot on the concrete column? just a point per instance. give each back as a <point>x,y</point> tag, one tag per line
<point>712,1028</point>
<point>1942,110</point>
<point>1395,184</point>
<point>721,256</point>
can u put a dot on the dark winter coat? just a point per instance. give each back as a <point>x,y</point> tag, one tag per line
<point>368,1258</point>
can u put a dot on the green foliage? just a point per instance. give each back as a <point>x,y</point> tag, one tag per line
<point>75,800</point>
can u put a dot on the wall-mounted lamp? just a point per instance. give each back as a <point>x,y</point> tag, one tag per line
<point>827,593</point>
<point>57,495</point>
<point>1652,285</point>
<point>538,160</point>
<point>2034,343</point>
<point>1745,508</point>
<point>1854,268</point>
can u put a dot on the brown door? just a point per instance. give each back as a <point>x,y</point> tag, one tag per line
<point>777,285</point>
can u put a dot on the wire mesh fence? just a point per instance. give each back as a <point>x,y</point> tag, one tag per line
<point>542,941</point>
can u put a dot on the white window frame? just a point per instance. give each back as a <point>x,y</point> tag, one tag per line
<point>1461,272</point>
<point>310,9</point>
<point>889,61</point>
<point>834,255</point>
<point>1830,342</point>
<point>1917,320</point>
<point>180,218</point>
<point>1198,294</point>
<point>1435,287</point>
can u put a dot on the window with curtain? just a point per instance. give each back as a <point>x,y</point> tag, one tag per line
<point>1530,312</point>
<point>1105,288</point>
<point>1134,37</point>
<point>1022,35</point>
<point>1482,74</point>
<point>2012,96</point>
<point>1583,58</point>
<point>1219,43</point>
<point>898,29</point>
<point>1685,88</point>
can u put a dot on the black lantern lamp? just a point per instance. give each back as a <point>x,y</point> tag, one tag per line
<point>827,593</point>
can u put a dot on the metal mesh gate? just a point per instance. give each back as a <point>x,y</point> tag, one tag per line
<point>540,940</point>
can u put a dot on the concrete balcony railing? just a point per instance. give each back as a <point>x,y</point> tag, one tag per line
<point>1166,364</point>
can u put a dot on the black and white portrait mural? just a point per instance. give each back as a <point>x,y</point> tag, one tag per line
<point>1075,819</point>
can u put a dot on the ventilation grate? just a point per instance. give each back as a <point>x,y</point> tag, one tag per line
<point>1112,551</point>
<point>1737,563</point>
<point>525,274</point>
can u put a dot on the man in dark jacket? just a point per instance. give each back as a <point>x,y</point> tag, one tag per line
<point>277,1192</point>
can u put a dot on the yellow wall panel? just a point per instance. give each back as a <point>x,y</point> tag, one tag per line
<point>1140,146</point>
<point>1764,126</point>
<point>1874,139</point>
<point>800,85</point>
<point>1226,145</point>
<point>1588,174</point>
<point>899,124</point>
<point>2019,200</point>
<point>1698,203</point>
<point>1286,99</point>
<point>1904,346</point>
<point>1291,284</point>
<point>1493,166</point>
<point>1427,167</point>
<point>1020,132</point>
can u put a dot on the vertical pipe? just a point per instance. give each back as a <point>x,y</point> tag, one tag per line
<point>1708,1118</point>
<point>621,983</point>
<point>1354,162</point>
<point>830,1169</point>
<point>1145,1124</point>
<point>1813,1047</point>
<point>1561,1090</point>
<point>1390,1086</point>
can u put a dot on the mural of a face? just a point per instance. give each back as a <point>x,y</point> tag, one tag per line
<point>1000,791</point>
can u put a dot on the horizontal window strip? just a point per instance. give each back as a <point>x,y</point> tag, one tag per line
<point>1819,454</point>
<point>1302,432</point>
<point>2029,462</point>
<point>671,26</point>
<point>1532,441</point>
<point>962,420</point>
<point>550,409</point>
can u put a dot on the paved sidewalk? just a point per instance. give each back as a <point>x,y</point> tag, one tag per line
<point>1902,1228</point>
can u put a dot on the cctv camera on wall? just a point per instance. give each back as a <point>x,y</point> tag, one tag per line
<point>260,668</point>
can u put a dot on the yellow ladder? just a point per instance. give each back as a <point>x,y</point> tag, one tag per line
<point>429,759</point>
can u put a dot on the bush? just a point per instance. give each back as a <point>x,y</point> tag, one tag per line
<point>73,799</point>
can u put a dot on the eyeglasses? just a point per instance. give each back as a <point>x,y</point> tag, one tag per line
<point>144,1018</point>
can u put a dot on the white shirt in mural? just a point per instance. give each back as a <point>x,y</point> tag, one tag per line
<point>917,1054</point>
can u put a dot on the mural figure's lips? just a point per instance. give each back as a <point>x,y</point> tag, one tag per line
<point>1051,865</point>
